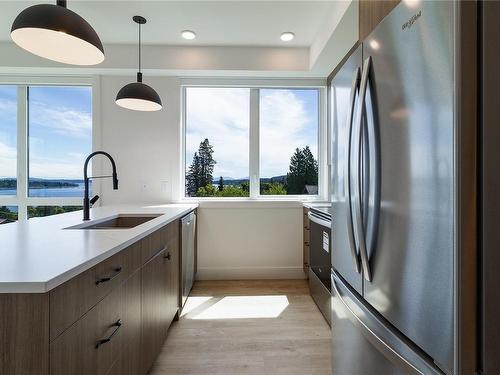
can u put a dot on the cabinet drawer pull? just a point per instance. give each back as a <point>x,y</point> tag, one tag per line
<point>167,256</point>
<point>105,279</point>
<point>118,325</point>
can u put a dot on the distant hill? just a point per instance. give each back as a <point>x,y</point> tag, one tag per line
<point>40,183</point>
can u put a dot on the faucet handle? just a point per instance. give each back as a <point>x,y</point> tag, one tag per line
<point>94,199</point>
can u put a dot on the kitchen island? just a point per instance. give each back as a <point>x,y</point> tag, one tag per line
<point>81,301</point>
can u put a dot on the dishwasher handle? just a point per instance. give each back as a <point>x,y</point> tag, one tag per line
<point>318,220</point>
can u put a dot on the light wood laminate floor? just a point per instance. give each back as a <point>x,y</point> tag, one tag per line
<point>248,327</point>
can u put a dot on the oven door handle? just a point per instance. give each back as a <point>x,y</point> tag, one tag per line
<point>318,220</point>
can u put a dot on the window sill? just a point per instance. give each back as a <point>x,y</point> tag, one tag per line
<point>227,203</point>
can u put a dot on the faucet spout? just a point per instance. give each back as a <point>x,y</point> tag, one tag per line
<point>86,200</point>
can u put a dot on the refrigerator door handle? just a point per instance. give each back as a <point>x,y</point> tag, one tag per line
<point>392,344</point>
<point>361,110</point>
<point>374,162</point>
<point>348,188</point>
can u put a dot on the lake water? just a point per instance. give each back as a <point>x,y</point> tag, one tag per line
<point>76,191</point>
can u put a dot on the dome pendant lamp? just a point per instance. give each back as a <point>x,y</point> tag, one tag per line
<point>57,33</point>
<point>137,95</point>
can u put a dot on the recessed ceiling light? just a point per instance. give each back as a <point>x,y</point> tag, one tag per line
<point>188,34</point>
<point>287,36</point>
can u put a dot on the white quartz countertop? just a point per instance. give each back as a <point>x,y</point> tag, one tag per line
<point>39,254</point>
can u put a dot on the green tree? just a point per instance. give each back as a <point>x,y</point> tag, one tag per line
<point>193,176</point>
<point>233,191</point>
<point>227,191</point>
<point>207,163</point>
<point>6,213</point>
<point>207,191</point>
<point>303,171</point>
<point>221,183</point>
<point>274,188</point>
<point>201,169</point>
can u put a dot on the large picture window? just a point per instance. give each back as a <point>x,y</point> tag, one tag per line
<point>45,135</point>
<point>60,138</point>
<point>289,125</point>
<point>251,142</point>
<point>217,142</point>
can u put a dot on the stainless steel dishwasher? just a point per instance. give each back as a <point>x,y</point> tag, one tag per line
<point>188,266</point>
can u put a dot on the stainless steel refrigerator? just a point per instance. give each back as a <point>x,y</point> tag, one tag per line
<point>403,177</point>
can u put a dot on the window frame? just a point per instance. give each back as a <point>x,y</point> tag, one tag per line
<point>254,134</point>
<point>22,200</point>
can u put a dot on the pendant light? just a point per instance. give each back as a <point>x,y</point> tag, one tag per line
<point>137,95</point>
<point>57,33</point>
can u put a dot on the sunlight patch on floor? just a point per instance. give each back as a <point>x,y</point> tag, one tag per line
<point>245,307</point>
<point>192,303</point>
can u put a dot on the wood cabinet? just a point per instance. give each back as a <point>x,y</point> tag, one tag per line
<point>305,240</point>
<point>130,361</point>
<point>93,344</point>
<point>160,296</point>
<point>109,320</point>
<point>69,301</point>
<point>173,270</point>
<point>154,308</point>
<point>371,12</point>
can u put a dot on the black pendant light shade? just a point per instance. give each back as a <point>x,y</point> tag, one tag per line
<point>57,33</point>
<point>137,95</point>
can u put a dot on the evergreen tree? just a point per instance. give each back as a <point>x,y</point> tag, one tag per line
<point>207,163</point>
<point>200,172</point>
<point>303,171</point>
<point>193,176</point>
<point>221,183</point>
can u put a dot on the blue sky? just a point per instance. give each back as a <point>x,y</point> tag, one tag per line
<point>60,130</point>
<point>288,119</point>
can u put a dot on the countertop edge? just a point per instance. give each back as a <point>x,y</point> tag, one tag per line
<point>46,286</point>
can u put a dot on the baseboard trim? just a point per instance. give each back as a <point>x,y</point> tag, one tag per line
<point>249,273</point>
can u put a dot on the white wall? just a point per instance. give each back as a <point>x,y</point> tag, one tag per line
<point>250,242</point>
<point>236,240</point>
<point>145,145</point>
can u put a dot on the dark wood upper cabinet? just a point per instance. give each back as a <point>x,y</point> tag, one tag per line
<point>371,12</point>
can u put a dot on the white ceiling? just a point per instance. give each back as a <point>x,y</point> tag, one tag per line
<point>217,23</point>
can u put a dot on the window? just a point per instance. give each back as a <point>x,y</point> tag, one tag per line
<point>45,135</point>
<point>8,140</point>
<point>217,142</point>
<point>289,125</point>
<point>251,142</point>
<point>60,138</point>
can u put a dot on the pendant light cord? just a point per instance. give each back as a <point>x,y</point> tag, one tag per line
<point>139,48</point>
<point>139,74</point>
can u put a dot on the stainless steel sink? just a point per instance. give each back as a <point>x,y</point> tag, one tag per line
<point>121,221</point>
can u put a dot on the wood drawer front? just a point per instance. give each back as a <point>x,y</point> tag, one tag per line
<point>71,300</point>
<point>75,351</point>
<point>172,236</point>
<point>153,244</point>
